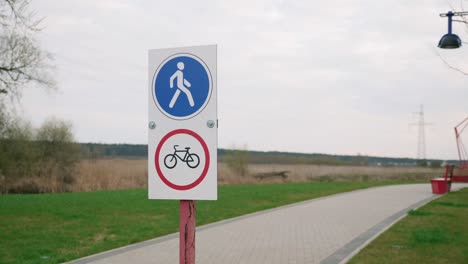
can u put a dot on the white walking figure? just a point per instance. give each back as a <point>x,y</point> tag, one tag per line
<point>182,85</point>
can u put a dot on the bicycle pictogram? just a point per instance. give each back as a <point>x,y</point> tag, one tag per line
<point>192,159</point>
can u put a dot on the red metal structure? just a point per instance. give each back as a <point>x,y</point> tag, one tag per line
<point>462,153</point>
<point>453,173</point>
<point>460,174</point>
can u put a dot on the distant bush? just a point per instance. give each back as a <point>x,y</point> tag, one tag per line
<point>57,152</point>
<point>18,157</point>
<point>36,160</point>
<point>237,160</point>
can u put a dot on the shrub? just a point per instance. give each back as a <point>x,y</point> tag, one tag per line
<point>237,160</point>
<point>46,157</point>
<point>57,151</point>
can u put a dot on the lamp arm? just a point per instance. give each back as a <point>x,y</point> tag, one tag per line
<point>460,13</point>
<point>450,13</point>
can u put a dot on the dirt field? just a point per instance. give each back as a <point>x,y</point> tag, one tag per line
<point>111,174</point>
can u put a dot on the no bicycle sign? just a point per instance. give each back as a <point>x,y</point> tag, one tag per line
<point>182,135</point>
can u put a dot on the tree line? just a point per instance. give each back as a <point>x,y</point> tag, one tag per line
<point>96,150</point>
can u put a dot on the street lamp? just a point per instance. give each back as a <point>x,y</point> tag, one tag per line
<point>450,40</point>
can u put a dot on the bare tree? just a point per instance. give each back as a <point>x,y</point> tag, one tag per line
<point>22,61</point>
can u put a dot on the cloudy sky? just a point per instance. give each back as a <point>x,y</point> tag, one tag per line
<point>337,77</point>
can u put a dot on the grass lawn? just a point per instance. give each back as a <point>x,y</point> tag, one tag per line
<point>435,233</point>
<point>51,228</point>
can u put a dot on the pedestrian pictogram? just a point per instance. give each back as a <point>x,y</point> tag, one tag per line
<point>182,86</point>
<point>191,159</point>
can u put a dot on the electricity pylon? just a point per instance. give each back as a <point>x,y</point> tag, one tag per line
<point>421,151</point>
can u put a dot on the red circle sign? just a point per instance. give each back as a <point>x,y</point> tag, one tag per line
<point>205,169</point>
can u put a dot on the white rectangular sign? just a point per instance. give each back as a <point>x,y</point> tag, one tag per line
<point>182,131</point>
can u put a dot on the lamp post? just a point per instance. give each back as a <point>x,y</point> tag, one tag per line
<point>450,40</point>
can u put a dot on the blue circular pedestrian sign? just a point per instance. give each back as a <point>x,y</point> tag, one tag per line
<point>182,86</point>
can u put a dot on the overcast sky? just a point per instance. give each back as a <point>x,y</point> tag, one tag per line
<point>336,77</point>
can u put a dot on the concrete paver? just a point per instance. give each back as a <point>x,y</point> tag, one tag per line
<point>323,230</point>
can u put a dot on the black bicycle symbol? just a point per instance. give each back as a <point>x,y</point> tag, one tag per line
<point>192,159</point>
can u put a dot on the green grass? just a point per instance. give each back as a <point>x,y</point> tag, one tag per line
<point>51,228</point>
<point>435,233</point>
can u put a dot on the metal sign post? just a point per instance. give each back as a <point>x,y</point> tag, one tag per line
<point>182,135</point>
<point>187,225</point>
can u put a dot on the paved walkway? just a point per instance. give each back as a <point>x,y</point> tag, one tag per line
<point>324,230</point>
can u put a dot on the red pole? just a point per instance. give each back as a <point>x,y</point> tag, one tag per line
<point>187,232</point>
<point>457,136</point>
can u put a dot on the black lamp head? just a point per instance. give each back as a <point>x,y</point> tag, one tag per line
<point>450,41</point>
